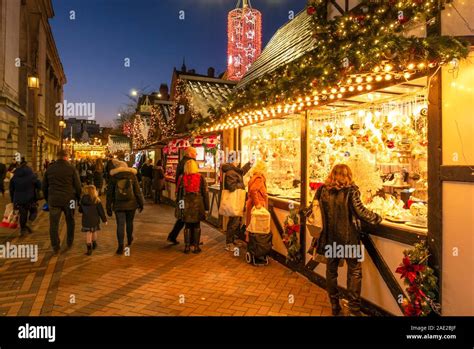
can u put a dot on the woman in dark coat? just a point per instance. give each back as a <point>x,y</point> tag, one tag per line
<point>192,204</point>
<point>233,179</point>
<point>341,211</point>
<point>124,197</point>
<point>158,180</point>
<point>99,175</point>
<point>23,187</point>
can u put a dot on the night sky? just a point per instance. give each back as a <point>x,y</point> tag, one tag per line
<point>149,32</point>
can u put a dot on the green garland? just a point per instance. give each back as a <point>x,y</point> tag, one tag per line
<point>354,43</point>
<point>422,284</point>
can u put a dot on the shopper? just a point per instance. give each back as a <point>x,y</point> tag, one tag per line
<point>3,174</point>
<point>108,167</point>
<point>342,210</point>
<point>13,166</point>
<point>98,175</point>
<point>189,154</point>
<point>23,187</point>
<point>92,213</point>
<point>257,190</point>
<point>158,181</point>
<point>233,180</point>
<point>62,191</point>
<point>147,176</point>
<point>193,203</point>
<point>124,197</point>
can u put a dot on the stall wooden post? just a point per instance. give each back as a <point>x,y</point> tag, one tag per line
<point>304,181</point>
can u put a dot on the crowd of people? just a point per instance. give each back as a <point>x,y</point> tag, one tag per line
<point>67,186</point>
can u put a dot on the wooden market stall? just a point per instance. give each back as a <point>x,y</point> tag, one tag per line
<point>169,125</point>
<point>385,122</point>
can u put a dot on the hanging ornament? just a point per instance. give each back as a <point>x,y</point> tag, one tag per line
<point>310,10</point>
<point>390,144</point>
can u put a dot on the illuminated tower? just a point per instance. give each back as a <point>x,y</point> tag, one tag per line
<point>244,36</point>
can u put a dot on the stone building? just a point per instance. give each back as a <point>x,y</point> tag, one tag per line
<point>28,122</point>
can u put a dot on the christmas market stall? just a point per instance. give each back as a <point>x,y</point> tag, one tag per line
<point>192,96</point>
<point>360,82</point>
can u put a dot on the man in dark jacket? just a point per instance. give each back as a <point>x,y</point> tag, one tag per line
<point>189,153</point>
<point>233,180</point>
<point>62,191</point>
<point>23,186</point>
<point>124,197</point>
<point>147,176</point>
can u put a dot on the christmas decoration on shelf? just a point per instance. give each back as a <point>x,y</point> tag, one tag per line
<point>290,236</point>
<point>422,284</point>
<point>355,53</point>
<point>244,35</point>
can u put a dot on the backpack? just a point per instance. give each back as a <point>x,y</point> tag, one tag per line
<point>124,190</point>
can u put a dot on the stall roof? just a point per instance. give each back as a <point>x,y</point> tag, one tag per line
<point>291,41</point>
<point>206,92</point>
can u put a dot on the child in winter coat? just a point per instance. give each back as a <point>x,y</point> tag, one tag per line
<point>92,213</point>
<point>192,204</point>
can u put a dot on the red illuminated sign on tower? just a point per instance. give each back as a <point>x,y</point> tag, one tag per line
<point>244,35</point>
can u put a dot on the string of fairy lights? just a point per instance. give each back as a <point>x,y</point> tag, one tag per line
<point>355,53</point>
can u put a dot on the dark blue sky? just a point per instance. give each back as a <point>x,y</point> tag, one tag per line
<point>149,32</point>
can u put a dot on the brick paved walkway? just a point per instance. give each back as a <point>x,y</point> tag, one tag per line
<point>156,279</point>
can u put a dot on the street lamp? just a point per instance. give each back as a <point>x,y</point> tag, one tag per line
<point>134,93</point>
<point>62,126</point>
<point>34,86</point>
<point>33,82</point>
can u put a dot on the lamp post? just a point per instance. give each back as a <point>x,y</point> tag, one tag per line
<point>62,126</point>
<point>34,86</point>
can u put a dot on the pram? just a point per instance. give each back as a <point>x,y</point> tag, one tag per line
<point>260,238</point>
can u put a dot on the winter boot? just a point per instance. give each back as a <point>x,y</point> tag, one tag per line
<point>187,240</point>
<point>197,238</point>
<point>89,249</point>
<point>94,245</point>
<point>120,249</point>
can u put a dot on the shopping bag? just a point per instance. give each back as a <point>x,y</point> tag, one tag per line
<point>314,221</point>
<point>259,221</point>
<point>13,219</point>
<point>6,215</point>
<point>232,203</point>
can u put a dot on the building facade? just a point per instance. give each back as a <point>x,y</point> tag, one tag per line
<point>29,126</point>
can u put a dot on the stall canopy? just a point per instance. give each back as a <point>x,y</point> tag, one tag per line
<point>321,56</point>
<point>194,95</point>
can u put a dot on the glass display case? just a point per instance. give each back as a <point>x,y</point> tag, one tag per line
<point>278,143</point>
<point>385,144</point>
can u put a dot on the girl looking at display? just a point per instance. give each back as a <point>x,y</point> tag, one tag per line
<point>341,211</point>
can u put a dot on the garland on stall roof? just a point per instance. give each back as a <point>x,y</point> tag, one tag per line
<point>370,39</point>
<point>422,284</point>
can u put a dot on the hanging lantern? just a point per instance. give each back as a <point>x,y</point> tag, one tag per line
<point>244,39</point>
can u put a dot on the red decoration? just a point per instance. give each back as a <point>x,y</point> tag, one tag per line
<point>311,10</point>
<point>409,270</point>
<point>244,36</point>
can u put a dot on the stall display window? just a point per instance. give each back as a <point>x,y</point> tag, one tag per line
<point>278,144</point>
<point>385,143</point>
